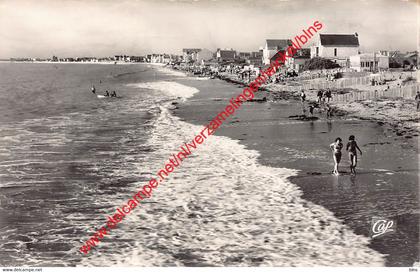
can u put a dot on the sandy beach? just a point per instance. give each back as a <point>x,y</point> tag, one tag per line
<point>397,112</point>
<point>383,186</point>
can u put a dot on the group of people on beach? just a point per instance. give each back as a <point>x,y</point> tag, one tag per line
<point>321,102</point>
<point>351,148</point>
<point>324,95</point>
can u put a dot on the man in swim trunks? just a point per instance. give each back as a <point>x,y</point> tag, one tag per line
<point>352,148</point>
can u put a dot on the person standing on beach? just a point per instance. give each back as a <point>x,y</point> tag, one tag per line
<point>324,96</point>
<point>336,149</point>
<point>319,95</point>
<point>302,96</point>
<point>311,110</point>
<point>328,94</point>
<point>352,148</point>
<point>418,100</point>
<point>329,111</point>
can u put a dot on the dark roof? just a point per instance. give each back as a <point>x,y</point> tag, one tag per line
<point>191,50</point>
<point>273,58</point>
<point>411,55</point>
<point>244,54</point>
<point>339,39</point>
<point>278,44</point>
<point>227,54</point>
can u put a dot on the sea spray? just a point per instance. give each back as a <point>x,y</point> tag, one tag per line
<point>224,208</point>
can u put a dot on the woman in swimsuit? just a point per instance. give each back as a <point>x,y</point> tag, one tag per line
<point>336,149</point>
<point>352,148</point>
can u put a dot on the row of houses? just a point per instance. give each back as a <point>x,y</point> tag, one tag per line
<point>343,49</point>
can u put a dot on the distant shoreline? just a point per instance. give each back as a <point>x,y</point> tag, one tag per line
<point>78,62</point>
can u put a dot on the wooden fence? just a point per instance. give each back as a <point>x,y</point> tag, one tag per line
<point>341,83</point>
<point>336,84</point>
<point>405,92</point>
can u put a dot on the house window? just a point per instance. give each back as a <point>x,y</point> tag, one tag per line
<point>335,52</point>
<point>362,64</point>
<point>317,51</point>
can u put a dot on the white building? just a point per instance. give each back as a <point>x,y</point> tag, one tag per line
<point>298,60</point>
<point>336,47</point>
<point>225,54</point>
<point>190,54</point>
<point>371,62</point>
<point>271,47</point>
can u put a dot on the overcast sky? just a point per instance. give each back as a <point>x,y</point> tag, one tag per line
<point>41,28</point>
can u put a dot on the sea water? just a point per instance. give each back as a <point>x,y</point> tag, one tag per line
<point>69,159</point>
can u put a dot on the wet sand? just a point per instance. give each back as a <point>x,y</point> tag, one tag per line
<point>386,184</point>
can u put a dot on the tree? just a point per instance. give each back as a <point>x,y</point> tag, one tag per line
<point>395,62</point>
<point>318,63</point>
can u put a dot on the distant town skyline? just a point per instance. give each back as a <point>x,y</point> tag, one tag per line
<point>105,28</point>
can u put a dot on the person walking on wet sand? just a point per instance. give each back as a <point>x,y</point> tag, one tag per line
<point>329,111</point>
<point>418,100</point>
<point>352,148</point>
<point>336,149</point>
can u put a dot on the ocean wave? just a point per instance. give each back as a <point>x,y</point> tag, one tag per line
<point>169,88</point>
<point>168,71</point>
<point>221,207</point>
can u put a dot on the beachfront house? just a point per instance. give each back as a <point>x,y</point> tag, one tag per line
<point>137,59</point>
<point>255,58</point>
<point>204,55</point>
<point>190,54</point>
<point>244,55</point>
<point>298,60</point>
<point>272,46</point>
<point>157,58</point>
<point>166,58</point>
<point>371,62</point>
<point>336,47</point>
<point>225,55</point>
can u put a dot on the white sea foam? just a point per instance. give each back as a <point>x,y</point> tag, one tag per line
<point>168,71</point>
<point>221,207</point>
<point>173,89</point>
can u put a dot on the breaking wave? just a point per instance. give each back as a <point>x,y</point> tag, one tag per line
<point>221,207</point>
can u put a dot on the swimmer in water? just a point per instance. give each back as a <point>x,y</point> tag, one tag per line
<point>336,149</point>
<point>352,148</point>
<point>93,89</point>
